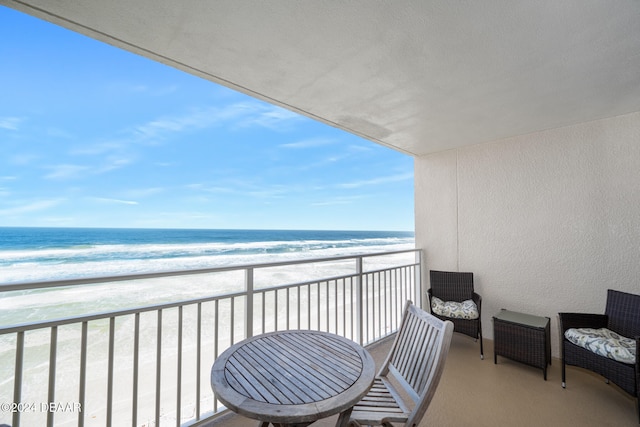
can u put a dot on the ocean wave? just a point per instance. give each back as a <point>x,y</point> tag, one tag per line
<point>156,250</point>
<point>107,260</point>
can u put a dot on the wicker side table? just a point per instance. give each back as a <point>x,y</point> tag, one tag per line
<point>522,337</point>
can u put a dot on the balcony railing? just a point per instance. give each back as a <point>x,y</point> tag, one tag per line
<point>146,360</point>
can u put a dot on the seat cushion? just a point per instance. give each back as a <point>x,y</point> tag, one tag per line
<point>455,310</point>
<point>604,342</point>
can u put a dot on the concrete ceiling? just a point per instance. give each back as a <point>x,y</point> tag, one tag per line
<point>419,76</point>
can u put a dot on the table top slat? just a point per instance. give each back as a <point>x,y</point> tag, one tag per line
<point>324,352</point>
<point>322,368</point>
<point>262,377</point>
<point>290,374</point>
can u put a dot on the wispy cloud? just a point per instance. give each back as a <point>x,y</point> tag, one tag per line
<point>242,114</point>
<point>377,181</point>
<point>135,88</point>
<point>28,207</point>
<point>59,133</point>
<point>338,201</point>
<point>116,201</point>
<point>76,171</point>
<point>270,116</point>
<point>10,123</point>
<point>309,143</point>
<point>339,154</point>
<point>196,119</point>
<point>99,148</point>
<point>272,192</point>
<point>206,188</point>
<point>22,159</point>
<point>359,149</point>
<point>156,131</point>
<point>66,171</point>
<point>137,193</point>
<point>112,163</point>
<point>247,189</point>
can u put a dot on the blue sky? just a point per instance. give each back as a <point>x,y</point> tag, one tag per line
<point>94,136</point>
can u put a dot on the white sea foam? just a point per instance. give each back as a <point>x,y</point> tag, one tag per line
<point>107,260</point>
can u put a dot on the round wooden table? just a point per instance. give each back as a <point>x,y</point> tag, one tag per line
<point>293,378</point>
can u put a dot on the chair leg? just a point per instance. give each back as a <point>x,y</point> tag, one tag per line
<point>564,384</point>
<point>481,347</point>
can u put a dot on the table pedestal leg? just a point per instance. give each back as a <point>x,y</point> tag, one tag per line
<point>344,417</point>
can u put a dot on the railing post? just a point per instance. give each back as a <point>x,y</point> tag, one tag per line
<point>248,310</point>
<point>359,302</point>
<point>17,384</point>
<point>418,278</point>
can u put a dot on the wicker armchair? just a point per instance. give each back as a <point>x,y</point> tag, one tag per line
<point>622,315</point>
<point>457,287</point>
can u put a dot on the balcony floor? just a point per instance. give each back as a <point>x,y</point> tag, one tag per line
<point>478,392</point>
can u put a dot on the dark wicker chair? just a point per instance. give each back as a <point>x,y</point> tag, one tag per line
<point>458,287</point>
<point>622,315</point>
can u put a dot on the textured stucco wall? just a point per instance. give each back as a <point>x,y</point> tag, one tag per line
<point>547,222</point>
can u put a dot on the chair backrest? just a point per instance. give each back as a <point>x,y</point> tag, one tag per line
<point>451,285</point>
<point>623,311</point>
<point>417,357</point>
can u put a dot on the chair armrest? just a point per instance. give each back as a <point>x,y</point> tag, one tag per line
<point>478,300</point>
<point>637,340</point>
<point>582,320</point>
<point>429,296</point>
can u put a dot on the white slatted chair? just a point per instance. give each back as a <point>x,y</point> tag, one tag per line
<point>407,380</point>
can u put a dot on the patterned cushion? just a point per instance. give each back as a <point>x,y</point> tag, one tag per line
<point>456,310</point>
<point>604,342</point>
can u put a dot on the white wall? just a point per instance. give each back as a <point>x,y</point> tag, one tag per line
<point>547,222</point>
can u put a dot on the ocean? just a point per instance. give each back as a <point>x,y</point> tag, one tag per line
<point>43,254</point>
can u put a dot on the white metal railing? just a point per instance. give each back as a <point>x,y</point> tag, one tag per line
<point>149,364</point>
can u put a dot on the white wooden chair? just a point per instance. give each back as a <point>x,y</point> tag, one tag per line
<point>407,380</point>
